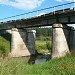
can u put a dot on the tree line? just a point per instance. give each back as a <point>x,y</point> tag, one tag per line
<point>43,33</point>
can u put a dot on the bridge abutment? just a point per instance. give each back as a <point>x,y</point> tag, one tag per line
<point>22,42</point>
<point>60,41</point>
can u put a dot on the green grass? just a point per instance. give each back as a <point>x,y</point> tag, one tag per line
<point>61,66</point>
<point>4,46</point>
<point>19,66</point>
<point>43,46</point>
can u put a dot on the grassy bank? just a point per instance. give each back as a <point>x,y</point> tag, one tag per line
<point>43,46</point>
<point>62,66</point>
<point>4,46</point>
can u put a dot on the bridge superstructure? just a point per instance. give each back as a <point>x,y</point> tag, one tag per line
<point>65,17</point>
<point>63,35</point>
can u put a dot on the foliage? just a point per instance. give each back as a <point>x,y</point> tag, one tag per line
<point>61,66</point>
<point>49,45</point>
<point>43,46</point>
<point>43,34</point>
<point>4,46</point>
<point>44,31</point>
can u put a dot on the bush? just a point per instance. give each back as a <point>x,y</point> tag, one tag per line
<point>48,45</point>
<point>4,47</point>
<point>43,46</point>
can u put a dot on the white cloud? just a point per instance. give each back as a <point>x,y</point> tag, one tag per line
<point>41,14</point>
<point>22,4</point>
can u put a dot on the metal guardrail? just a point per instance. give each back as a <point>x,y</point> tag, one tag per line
<point>63,6</point>
<point>53,8</point>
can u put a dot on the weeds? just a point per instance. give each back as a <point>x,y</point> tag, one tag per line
<point>61,66</point>
<point>4,47</point>
<point>43,46</point>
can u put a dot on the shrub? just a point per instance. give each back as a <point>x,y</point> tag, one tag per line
<point>4,47</point>
<point>48,45</point>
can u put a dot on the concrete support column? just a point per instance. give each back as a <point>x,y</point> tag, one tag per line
<point>31,41</point>
<point>60,45</point>
<point>72,38</point>
<point>22,43</point>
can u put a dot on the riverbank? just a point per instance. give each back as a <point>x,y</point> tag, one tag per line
<point>43,47</point>
<point>61,66</point>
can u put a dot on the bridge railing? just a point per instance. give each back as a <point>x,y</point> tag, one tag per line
<point>40,12</point>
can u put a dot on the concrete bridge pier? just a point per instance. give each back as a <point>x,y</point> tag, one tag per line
<point>60,41</point>
<point>22,42</point>
<point>72,39</point>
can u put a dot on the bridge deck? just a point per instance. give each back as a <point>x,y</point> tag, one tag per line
<point>66,16</point>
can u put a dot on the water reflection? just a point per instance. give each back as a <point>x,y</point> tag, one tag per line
<point>37,59</point>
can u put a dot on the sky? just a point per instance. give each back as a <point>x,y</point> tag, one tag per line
<point>15,7</point>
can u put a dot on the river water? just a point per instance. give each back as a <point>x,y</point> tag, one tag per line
<point>37,59</point>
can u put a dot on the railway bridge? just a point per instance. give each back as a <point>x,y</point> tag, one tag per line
<point>63,36</point>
